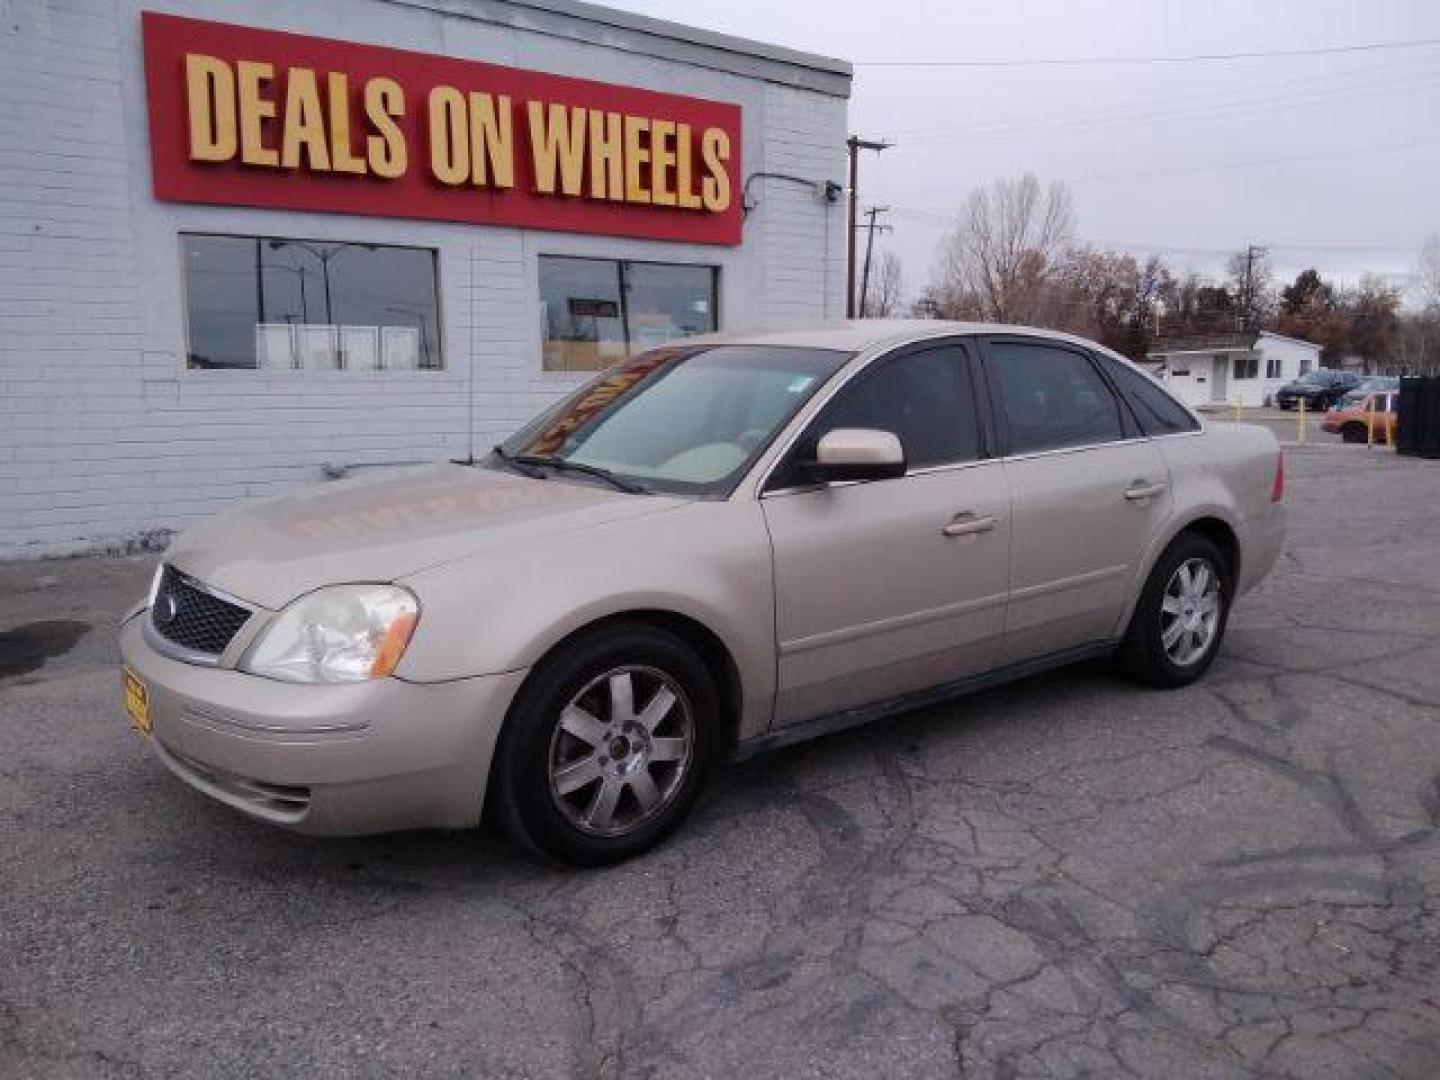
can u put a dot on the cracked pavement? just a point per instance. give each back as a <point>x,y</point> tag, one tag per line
<point>1064,877</point>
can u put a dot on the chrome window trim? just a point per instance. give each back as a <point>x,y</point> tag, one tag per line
<point>862,362</point>
<point>1056,450</point>
<point>924,470</point>
<point>958,465</point>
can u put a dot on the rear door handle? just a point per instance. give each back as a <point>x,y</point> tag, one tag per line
<point>1145,489</point>
<point>967,524</point>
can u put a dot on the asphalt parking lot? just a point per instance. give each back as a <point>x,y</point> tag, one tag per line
<point>1065,877</point>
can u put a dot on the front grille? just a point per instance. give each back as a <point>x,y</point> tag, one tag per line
<point>192,618</point>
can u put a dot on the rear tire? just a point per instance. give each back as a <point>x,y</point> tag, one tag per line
<point>607,746</point>
<point>1179,621</point>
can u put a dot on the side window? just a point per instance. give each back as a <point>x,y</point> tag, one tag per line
<point>923,397</point>
<point>1157,411</point>
<point>1051,397</point>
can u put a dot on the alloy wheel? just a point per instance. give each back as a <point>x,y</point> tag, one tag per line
<point>1190,612</point>
<point>621,749</point>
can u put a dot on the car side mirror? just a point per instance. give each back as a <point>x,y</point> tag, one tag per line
<point>856,454</point>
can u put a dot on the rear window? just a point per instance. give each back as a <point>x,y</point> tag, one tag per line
<point>1051,397</point>
<point>1157,412</point>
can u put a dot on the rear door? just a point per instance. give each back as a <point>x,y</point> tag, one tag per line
<point>1088,489</point>
<point>890,586</point>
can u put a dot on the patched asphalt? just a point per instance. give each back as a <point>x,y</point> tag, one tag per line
<point>1065,877</point>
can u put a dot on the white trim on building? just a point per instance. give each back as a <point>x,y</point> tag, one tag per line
<point>1219,371</point>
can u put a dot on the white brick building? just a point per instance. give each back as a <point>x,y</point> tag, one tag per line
<point>147,376</point>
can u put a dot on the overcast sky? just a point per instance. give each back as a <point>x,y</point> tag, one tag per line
<point>1331,160</point>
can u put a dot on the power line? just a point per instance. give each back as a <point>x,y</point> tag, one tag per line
<point>1310,83</point>
<point>1222,166</point>
<point>939,218</point>
<point>1192,58</point>
<point>1102,123</point>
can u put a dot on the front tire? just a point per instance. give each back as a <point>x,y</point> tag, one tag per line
<point>1354,433</point>
<point>607,746</point>
<point>1180,618</point>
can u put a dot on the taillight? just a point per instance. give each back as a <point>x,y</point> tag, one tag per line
<point>1277,492</point>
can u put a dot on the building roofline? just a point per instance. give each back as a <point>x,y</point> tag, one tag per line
<point>676,41</point>
<point>1208,350</point>
<point>1296,340</point>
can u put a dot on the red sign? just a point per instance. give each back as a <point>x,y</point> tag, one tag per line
<point>246,117</point>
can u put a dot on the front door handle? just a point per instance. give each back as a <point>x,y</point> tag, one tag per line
<point>1144,489</point>
<point>967,524</point>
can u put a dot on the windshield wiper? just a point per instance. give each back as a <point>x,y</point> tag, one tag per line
<point>522,467</point>
<point>560,464</point>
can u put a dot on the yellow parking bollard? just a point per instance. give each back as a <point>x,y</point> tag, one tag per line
<point>1236,402</point>
<point>1300,435</point>
<point>1370,422</point>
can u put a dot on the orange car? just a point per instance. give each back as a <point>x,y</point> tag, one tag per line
<point>1350,419</point>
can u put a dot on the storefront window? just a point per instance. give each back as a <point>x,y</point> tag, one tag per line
<point>597,312</point>
<point>320,305</point>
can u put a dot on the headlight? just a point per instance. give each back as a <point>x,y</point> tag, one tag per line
<point>340,634</point>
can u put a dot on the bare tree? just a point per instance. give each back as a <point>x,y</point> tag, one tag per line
<point>1429,272</point>
<point>882,299</point>
<point>1250,284</point>
<point>1006,240</point>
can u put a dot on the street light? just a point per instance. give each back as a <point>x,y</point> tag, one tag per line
<point>324,255</point>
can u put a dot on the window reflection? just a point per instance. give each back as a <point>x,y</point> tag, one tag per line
<point>597,312</point>
<point>287,304</point>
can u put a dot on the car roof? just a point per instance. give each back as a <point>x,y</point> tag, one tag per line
<point>862,335</point>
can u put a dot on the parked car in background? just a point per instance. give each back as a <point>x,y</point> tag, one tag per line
<point>1350,418</point>
<point>1379,382</point>
<point>1319,389</point>
<point>716,547</point>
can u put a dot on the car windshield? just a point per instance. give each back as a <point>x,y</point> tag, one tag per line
<point>1316,378</point>
<point>686,420</point>
<point>1354,399</point>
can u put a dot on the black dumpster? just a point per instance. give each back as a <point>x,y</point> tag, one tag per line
<point>1418,417</point>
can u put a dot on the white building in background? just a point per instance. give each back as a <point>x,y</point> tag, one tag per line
<point>1215,370</point>
<point>238,253</point>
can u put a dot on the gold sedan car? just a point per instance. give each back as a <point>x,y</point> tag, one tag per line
<point>713,548</point>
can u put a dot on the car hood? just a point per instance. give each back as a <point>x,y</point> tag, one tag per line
<point>386,526</point>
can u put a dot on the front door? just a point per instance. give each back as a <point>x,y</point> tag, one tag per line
<point>891,586</point>
<point>1220,378</point>
<point>1089,493</point>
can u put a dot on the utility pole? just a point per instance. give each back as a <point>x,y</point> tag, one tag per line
<point>854,144</point>
<point>1253,254</point>
<point>869,245</point>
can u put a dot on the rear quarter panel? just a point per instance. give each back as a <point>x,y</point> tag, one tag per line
<point>1225,472</point>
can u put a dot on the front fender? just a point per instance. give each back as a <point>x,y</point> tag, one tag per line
<point>505,610</point>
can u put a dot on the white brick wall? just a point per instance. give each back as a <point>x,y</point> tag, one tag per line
<point>105,437</point>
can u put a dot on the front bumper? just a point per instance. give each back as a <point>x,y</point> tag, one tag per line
<point>325,760</point>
